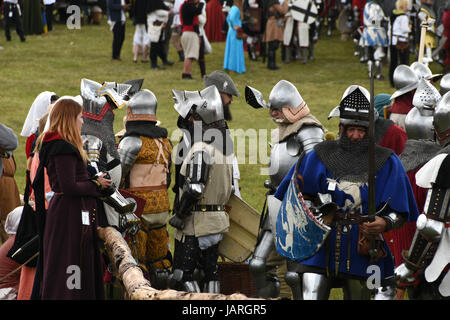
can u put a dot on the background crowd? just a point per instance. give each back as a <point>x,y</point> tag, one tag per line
<point>258,27</point>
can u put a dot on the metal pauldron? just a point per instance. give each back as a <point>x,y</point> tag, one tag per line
<point>129,148</point>
<point>309,137</point>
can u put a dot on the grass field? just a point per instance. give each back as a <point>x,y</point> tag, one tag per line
<point>59,60</point>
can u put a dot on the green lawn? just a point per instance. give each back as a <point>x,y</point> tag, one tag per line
<point>59,60</point>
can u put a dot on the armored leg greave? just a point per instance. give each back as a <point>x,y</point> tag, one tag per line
<point>212,287</point>
<point>264,287</point>
<point>364,55</point>
<point>315,286</point>
<point>192,286</point>
<point>379,70</point>
<point>186,257</point>
<point>209,263</point>
<point>293,280</point>
<point>355,290</point>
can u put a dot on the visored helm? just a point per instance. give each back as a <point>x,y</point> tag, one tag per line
<point>92,103</point>
<point>207,104</point>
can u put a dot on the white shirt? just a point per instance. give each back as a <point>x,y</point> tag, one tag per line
<point>176,12</point>
<point>12,1</point>
<point>48,2</point>
<point>400,29</point>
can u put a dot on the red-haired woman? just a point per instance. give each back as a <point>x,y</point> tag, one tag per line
<point>69,265</point>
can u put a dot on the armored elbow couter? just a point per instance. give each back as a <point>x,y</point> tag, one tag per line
<point>394,220</point>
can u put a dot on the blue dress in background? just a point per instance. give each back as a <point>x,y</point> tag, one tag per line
<point>234,47</point>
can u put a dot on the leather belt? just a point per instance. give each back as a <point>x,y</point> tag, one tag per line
<point>347,219</point>
<point>209,207</point>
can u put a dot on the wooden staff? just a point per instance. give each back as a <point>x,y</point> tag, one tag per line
<point>423,33</point>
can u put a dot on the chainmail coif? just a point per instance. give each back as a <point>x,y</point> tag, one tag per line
<point>350,161</point>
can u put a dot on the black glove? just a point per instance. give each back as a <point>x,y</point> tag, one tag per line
<point>177,222</point>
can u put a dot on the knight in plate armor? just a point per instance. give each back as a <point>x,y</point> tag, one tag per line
<point>145,156</point>
<point>425,268</point>
<point>419,120</point>
<point>227,90</point>
<point>405,81</point>
<point>322,226</point>
<point>298,131</point>
<point>99,103</point>
<point>206,173</point>
<point>374,38</point>
<point>419,148</point>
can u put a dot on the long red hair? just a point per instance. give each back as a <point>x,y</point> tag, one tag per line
<point>63,119</point>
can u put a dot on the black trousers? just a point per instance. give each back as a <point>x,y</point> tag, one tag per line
<point>118,39</point>
<point>397,57</point>
<point>49,16</point>
<point>201,58</point>
<point>11,13</point>
<point>157,50</point>
<point>188,257</point>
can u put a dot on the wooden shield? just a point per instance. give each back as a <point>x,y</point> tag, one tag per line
<point>239,242</point>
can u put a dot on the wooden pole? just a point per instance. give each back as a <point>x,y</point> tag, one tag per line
<point>423,33</point>
<point>136,286</point>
